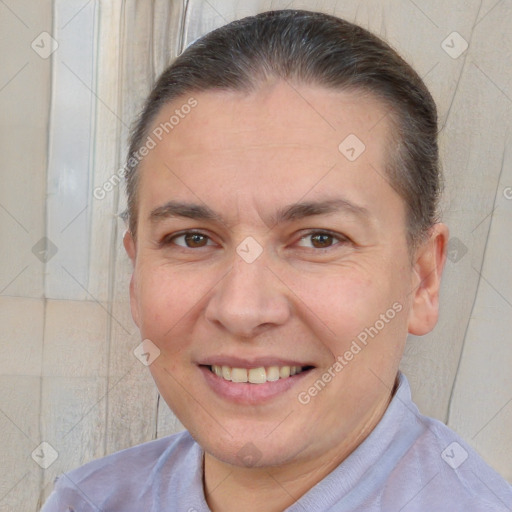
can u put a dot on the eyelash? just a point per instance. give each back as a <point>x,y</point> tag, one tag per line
<point>338,239</point>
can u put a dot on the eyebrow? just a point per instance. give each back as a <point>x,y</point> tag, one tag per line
<point>293,212</point>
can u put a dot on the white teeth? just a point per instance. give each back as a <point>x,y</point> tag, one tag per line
<point>255,375</point>
<point>284,372</point>
<point>273,373</point>
<point>237,374</point>
<point>226,372</point>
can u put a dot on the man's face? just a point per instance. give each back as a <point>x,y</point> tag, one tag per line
<point>262,172</point>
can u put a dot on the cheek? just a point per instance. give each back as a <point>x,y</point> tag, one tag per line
<point>343,300</point>
<point>346,303</point>
<point>167,299</point>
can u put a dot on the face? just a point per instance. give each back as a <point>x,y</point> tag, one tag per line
<point>263,248</point>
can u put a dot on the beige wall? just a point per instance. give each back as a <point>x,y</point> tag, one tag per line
<point>68,373</point>
<point>24,107</point>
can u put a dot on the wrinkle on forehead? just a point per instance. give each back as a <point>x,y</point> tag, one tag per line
<point>250,154</point>
<point>284,117</point>
<point>189,154</point>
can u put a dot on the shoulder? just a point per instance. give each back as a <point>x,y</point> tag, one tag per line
<point>121,467</point>
<point>442,472</point>
<point>123,478</point>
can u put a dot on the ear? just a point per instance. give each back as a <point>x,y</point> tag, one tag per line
<point>129,245</point>
<point>428,264</point>
<point>131,250</point>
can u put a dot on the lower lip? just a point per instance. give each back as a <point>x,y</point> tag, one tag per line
<point>247,393</point>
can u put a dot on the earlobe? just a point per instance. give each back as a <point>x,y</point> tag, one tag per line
<point>429,262</point>
<point>129,245</point>
<point>134,306</point>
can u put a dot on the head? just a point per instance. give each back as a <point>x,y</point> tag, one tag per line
<point>287,214</point>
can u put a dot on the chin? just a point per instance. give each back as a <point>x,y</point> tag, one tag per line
<point>246,445</point>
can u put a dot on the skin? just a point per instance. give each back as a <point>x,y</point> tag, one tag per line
<point>246,157</point>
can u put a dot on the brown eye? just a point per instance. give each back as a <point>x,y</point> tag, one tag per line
<point>195,240</point>
<point>191,240</point>
<point>321,240</point>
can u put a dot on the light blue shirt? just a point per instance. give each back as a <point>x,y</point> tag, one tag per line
<point>409,463</point>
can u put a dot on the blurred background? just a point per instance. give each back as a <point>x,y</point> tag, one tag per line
<point>73,77</point>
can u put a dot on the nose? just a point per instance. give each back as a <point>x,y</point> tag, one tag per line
<point>249,300</point>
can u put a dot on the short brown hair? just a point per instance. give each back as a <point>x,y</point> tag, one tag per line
<point>317,49</point>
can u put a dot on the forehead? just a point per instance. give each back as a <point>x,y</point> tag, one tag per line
<point>279,111</point>
<point>277,143</point>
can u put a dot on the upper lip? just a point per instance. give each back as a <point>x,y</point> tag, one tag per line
<point>253,362</point>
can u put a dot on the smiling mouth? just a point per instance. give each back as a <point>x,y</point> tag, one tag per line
<point>259,375</point>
